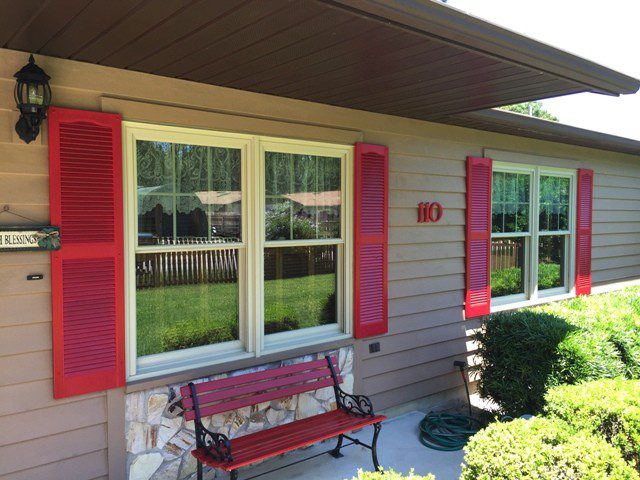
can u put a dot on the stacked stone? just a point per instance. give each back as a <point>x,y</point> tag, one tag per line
<point>159,443</point>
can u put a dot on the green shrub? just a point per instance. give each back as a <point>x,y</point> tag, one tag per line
<point>328,312</point>
<point>188,335</point>
<point>541,449</point>
<point>391,475</point>
<point>523,353</point>
<point>607,408</point>
<point>284,324</point>
<point>507,281</point>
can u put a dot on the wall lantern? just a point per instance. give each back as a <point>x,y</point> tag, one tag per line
<point>33,96</point>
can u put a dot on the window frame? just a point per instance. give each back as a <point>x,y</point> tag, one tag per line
<point>532,295</point>
<point>252,343</point>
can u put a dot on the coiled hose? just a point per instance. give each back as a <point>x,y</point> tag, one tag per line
<point>447,432</point>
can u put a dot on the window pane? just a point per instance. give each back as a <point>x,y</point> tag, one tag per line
<point>186,299</point>
<point>551,261</point>
<point>507,266</point>
<point>188,193</point>
<point>510,202</point>
<point>554,203</point>
<point>299,287</point>
<point>303,196</point>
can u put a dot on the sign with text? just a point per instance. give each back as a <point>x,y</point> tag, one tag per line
<point>16,239</point>
<point>430,212</point>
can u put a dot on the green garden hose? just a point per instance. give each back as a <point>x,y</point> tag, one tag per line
<point>447,432</point>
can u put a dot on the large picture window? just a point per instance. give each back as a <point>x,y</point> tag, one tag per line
<point>237,246</point>
<point>531,234</point>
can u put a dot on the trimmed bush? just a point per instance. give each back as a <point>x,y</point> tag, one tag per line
<point>391,475</point>
<point>523,353</point>
<point>284,324</point>
<point>541,449</point>
<point>607,408</point>
<point>188,335</point>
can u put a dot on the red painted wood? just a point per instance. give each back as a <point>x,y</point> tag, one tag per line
<point>87,273</point>
<point>284,438</point>
<point>583,232</point>
<point>478,241</point>
<point>252,388</point>
<point>371,200</point>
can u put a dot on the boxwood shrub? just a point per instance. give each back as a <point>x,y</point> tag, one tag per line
<point>391,475</point>
<point>607,408</point>
<point>523,353</point>
<point>541,449</point>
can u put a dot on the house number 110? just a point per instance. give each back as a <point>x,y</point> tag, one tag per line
<point>430,212</point>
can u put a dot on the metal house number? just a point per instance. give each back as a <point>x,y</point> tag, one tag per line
<point>430,212</point>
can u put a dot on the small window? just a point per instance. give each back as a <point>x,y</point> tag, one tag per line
<point>531,226</point>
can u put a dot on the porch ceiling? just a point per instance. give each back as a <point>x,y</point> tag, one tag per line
<point>417,59</point>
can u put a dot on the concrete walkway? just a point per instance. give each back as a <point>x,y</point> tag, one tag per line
<point>398,448</point>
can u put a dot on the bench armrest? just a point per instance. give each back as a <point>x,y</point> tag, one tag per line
<point>217,444</point>
<point>354,404</point>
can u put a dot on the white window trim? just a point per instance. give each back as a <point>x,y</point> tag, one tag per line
<point>532,296</point>
<point>252,342</point>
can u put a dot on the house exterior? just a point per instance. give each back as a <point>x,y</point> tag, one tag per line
<point>247,185</point>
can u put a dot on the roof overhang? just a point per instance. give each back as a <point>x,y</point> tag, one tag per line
<point>413,58</point>
<point>510,123</point>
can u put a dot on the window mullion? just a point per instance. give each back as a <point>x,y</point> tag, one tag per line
<point>534,202</point>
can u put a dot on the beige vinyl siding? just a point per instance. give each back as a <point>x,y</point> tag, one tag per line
<point>427,330</point>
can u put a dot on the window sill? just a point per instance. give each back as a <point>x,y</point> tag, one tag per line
<point>551,297</point>
<point>237,360</point>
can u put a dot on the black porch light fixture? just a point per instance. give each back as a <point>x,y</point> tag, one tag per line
<point>33,97</point>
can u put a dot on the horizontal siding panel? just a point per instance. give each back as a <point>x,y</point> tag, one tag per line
<point>604,239</point>
<point>616,193</point>
<point>616,250</point>
<point>88,466</point>
<point>19,158</point>
<point>407,217</point>
<point>415,391</point>
<point>24,397</point>
<point>52,420</point>
<point>25,338</point>
<point>423,303</point>
<point>419,146</point>
<point>615,205</point>
<point>25,368</point>
<point>422,320</point>
<point>621,181</point>
<point>34,214</point>
<point>614,262</point>
<point>615,216</point>
<point>609,228</point>
<point>51,449</point>
<point>25,309</point>
<point>426,183</point>
<point>20,284</point>
<point>426,251</point>
<point>435,234</point>
<point>24,189</point>
<point>616,275</point>
<point>25,258</point>
<point>428,165</point>
<point>425,268</point>
<point>411,199</point>
<point>422,286</point>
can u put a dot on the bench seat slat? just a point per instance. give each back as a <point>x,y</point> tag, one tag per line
<point>232,393</point>
<point>208,410</point>
<point>277,440</point>
<point>257,376</point>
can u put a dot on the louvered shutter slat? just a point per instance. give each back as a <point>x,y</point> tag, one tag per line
<point>478,238</point>
<point>583,232</point>
<point>371,240</point>
<point>85,162</point>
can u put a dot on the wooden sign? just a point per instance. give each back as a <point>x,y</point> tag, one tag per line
<point>430,212</point>
<point>20,239</point>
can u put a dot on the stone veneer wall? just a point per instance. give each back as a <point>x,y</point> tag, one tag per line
<point>159,444</point>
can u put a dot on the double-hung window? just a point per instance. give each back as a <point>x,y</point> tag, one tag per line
<point>531,233</point>
<point>237,246</point>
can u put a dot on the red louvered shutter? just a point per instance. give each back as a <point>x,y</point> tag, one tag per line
<point>371,198</point>
<point>583,236</point>
<point>478,245</point>
<point>87,273</point>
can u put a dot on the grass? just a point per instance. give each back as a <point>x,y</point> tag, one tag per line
<point>210,311</point>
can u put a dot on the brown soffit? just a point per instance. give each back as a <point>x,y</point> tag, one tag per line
<point>412,58</point>
<point>510,123</point>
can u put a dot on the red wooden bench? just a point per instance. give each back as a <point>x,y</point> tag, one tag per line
<point>217,396</point>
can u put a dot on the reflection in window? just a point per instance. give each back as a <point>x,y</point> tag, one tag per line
<point>185,299</point>
<point>187,193</point>
<point>303,199</point>
<point>507,266</point>
<point>299,287</point>
<point>551,261</point>
<point>510,202</point>
<point>554,204</point>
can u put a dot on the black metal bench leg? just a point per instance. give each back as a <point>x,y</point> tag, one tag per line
<point>199,471</point>
<point>234,475</point>
<point>336,451</point>
<point>374,450</point>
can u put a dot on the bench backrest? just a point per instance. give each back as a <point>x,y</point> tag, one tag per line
<point>231,393</point>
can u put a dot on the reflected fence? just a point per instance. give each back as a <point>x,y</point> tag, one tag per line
<point>504,254</point>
